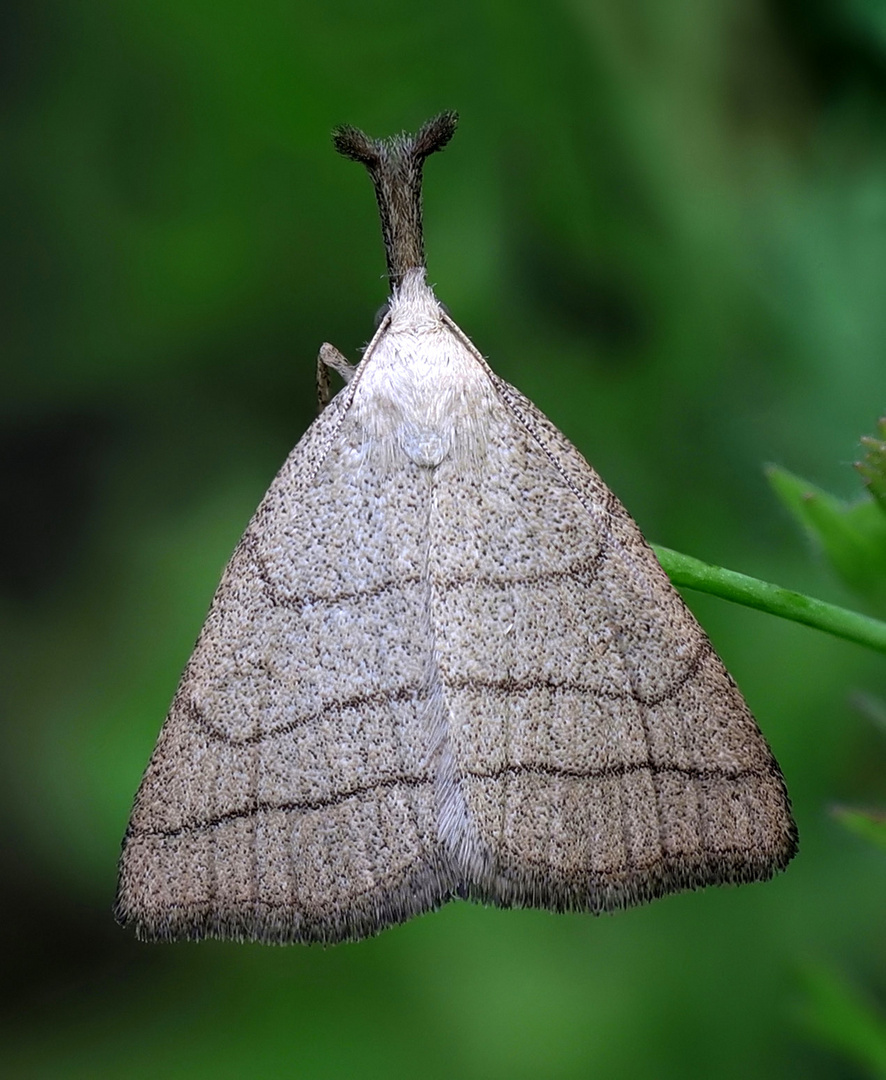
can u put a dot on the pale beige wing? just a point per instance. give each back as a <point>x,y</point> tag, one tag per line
<point>603,754</point>
<point>291,795</point>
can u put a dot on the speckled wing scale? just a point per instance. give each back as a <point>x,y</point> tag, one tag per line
<point>442,661</point>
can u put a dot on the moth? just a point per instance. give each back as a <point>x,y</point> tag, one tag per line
<point>442,662</point>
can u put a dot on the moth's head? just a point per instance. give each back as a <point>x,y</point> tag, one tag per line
<point>395,166</point>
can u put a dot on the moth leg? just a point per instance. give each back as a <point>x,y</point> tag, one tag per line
<point>330,359</point>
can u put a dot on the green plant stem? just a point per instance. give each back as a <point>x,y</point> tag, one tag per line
<point>741,589</point>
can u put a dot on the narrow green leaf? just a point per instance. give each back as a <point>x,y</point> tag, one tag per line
<point>853,536</point>
<point>841,1017</point>
<point>741,589</point>
<point>869,824</point>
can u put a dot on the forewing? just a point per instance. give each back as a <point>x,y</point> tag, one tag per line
<point>290,794</point>
<point>603,753</point>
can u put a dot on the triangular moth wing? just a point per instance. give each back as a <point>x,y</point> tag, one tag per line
<point>603,753</point>
<point>290,796</point>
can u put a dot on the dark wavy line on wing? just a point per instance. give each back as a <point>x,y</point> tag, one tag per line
<point>302,806</point>
<point>511,686</point>
<point>356,701</point>
<point>603,772</point>
<point>504,687</point>
<point>606,772</point>
<point>584,569</point>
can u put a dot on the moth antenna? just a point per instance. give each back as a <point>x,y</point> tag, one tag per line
<point>395,166</point>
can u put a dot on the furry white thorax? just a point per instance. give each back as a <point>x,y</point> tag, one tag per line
<point>421,391</point>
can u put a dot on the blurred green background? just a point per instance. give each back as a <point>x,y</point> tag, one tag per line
<point>666,223</point>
